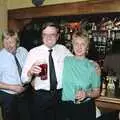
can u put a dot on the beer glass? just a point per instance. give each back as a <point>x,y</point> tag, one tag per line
<point>44,68</point>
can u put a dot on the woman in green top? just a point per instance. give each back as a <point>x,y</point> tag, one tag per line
<point>81,83</point>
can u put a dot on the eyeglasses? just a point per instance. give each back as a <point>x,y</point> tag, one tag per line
<point>49,35</point>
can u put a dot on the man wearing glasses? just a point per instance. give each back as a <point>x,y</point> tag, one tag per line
<point>47,92</point>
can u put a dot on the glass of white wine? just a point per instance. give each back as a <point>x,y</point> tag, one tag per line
<point>77,89</point>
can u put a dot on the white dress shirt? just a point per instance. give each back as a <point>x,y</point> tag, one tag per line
<point>41,53</point>
<point>8,68</point>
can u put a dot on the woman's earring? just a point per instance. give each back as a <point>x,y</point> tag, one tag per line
<point>87,51</point>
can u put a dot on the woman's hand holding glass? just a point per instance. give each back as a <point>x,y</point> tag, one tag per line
<point>80,96</point>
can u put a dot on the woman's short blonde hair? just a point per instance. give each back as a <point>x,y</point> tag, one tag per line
<point>81,34</point>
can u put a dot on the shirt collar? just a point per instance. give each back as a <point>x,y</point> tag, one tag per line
<point>54,47</point>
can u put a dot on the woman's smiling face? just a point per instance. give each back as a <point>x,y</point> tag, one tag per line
<point>80,46</point>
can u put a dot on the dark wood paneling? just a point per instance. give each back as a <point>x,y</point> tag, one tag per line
<point>77,8</point>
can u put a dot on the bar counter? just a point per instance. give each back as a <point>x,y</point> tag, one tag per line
<point>108,103</point>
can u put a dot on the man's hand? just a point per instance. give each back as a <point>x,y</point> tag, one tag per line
<point>35,69</point>
<point>16,88</point>
<point>97,67</point>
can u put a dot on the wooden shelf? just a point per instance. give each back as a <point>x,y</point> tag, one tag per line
<point>76,8</point>
<point>108,103</point>
<point>108,99</point>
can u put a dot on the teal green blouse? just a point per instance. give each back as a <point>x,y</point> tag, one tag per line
<point>78,74</point>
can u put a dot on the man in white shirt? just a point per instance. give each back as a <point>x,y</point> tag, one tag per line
<point>45,99</point>
<point>10,81</point>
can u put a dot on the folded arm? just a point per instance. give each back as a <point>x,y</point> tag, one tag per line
<point>13,87</point>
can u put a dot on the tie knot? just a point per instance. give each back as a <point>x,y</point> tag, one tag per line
<point>50,50</point>
<point>14,54</point>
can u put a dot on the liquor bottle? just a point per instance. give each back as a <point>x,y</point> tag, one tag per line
<point>69,34</point>
<point>94,27</point>
<point>117,23</point>
<point>110,87</point>
<point>113,36</point>
<point>104,85</point>
<point>67,38</point>
<point>102,24</point>
<point>61,37</point>
<point>65,33</point>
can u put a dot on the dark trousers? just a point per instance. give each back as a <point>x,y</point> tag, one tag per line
<point>8,105</point>
<point>44,104</point>
<point>70,111</point>
<point>14,107</point>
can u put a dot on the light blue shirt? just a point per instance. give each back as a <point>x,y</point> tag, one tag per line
<point>8,68</point>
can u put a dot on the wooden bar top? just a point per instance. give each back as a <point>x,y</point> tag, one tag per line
<point>105,102</point>
<point>108,99</point>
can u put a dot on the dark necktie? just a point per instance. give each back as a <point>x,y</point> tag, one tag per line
<point>18,65</point>
<point>53,79</point>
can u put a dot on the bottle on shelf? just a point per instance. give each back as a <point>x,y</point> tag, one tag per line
<point>117,23</point>
<point>67,38</point>
<point>94,27</point>
<point>110,86</point>
<point>104,86</point>
<point>102,32</point>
